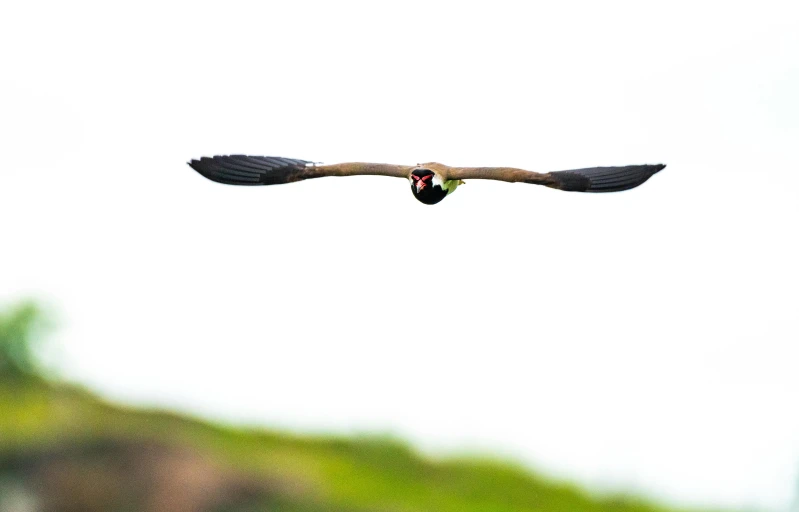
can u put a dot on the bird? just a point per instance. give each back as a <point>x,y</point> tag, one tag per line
<point>430,182</point>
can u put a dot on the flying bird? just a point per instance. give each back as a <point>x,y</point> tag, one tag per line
<point>430,182</point>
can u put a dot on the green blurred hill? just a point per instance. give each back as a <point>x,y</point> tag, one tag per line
<point>64,449</point>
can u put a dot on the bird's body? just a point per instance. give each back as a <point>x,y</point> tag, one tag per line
<point>429,187</point>
<point>430,182</point>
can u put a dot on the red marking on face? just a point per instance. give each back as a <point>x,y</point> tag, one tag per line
<point>421,182</point>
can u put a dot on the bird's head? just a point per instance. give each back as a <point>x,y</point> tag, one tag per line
<point>427,186</point>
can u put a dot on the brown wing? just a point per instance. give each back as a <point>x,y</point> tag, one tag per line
<point>594,179</point>
<point>271,170</point>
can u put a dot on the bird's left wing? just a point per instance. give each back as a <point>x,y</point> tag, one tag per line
<point>271,170</point>
<point>593,179</point>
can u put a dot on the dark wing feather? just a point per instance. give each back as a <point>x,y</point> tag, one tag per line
<point>603,179</point>
<point>252,170</point>
<point>271,170</point>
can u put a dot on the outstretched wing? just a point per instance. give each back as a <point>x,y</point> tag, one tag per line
<point>271,170</point>
<point>593,179</point>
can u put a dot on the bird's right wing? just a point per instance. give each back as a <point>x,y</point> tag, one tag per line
<point>271,170</point>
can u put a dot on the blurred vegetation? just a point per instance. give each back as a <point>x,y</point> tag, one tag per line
<point>63,449</point>
<point>20,327</point>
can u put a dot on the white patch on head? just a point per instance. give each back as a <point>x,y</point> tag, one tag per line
<point>437,181</point>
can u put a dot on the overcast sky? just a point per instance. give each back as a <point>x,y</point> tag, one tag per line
<point>645,340</point>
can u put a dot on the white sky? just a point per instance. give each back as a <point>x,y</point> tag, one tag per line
<point>645,340</point>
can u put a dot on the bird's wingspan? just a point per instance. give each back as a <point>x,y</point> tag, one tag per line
<point>594,179</point>
<point>271,170</point>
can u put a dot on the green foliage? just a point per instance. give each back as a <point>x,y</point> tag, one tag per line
<point>296,473</point>
<point>80,438</point>
<point>20,328</point>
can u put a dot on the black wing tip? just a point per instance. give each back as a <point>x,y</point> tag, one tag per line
<point>605,179</point>
<point>649,170</point>
<point>249,170</point>
<point>197,165</point>
<point>625,178</point>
